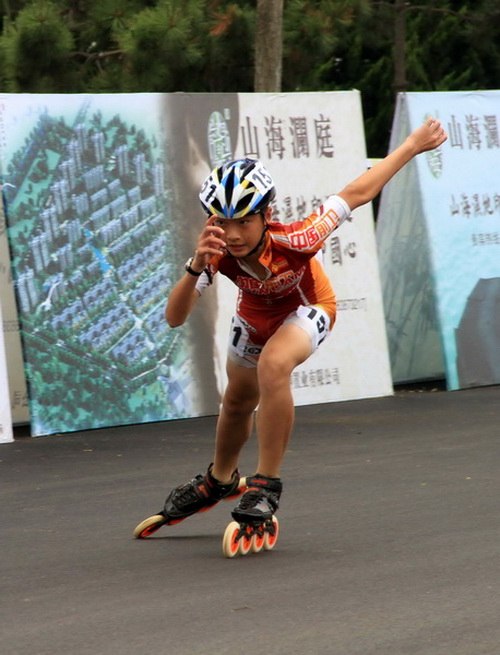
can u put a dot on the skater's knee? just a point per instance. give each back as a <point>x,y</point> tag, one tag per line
<point>286,349</point>
<point>236,404</point>
<point>273,370</point>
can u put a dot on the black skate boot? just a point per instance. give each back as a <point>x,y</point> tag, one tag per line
<point>260,501</point>
<point>198,495</point>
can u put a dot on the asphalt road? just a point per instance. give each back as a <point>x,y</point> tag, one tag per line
<point>389,544</point>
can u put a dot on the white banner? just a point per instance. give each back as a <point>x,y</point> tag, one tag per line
<point>6,433</point>
<point>313,145</point>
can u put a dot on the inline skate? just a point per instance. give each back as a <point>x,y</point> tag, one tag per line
<point>255,527</point>
<point>198,495</point>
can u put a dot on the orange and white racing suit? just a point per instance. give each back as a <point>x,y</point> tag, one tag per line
<point>296,288</point>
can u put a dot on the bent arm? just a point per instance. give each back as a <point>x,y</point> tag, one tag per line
<point>368,185</point>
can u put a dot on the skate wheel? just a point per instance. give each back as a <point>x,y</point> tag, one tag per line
<point>148,526</point>
<point>258,540</point>
<point>245,541</point>
<point>230,542</point>
<point>271,539</point>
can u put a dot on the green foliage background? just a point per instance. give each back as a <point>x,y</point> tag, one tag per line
<point>113,46</point>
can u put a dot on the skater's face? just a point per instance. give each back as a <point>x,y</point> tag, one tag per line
<point>242,235</point>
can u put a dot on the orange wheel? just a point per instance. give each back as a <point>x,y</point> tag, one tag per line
<point>230,541</point>
<point>148,526</point>
<point>258,540</point>
<point>245,541</point>
<point>271,539</point>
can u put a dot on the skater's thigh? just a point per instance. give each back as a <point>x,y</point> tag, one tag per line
<point>242,386</point>
<point>289,346</point>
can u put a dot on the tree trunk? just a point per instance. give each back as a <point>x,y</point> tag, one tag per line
<point>268,46</point>
<point>399,82</point>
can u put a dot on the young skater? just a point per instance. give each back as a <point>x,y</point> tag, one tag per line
<point>285,309</point>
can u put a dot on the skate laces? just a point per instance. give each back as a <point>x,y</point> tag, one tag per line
<point>203,489</point>
<point>250,499</point>
<point>261,489</point>
<point>187,493</point>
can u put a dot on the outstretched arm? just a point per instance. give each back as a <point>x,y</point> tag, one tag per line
<point>183,296</point>
<point>368,185</point>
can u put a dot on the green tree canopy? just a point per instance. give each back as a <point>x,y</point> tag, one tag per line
<point>376,46</point>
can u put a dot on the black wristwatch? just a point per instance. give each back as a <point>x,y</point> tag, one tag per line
<point>188,268</point>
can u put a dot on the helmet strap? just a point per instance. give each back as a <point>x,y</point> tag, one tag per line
<point>261,241</point>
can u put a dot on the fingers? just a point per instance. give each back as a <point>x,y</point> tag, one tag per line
<point>213,232</point>
<point>210,241</point>
<point>442,136</point>
<point>210,223</point>
<point>212,229</point>
<point>429,136</point>
<point>439,133</point>
<point>437,128</point>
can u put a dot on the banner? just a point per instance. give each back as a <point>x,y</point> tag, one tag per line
<point>6,433</point>
<point>101,196</point>
<point>439,244</point>
<point>313,145</point>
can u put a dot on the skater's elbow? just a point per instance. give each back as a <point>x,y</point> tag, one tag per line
<point>174,324</point>
<point>174,321</point>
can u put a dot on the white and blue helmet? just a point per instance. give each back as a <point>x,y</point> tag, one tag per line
<point>237,188</point>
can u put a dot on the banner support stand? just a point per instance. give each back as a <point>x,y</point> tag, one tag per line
<point>6,432</point>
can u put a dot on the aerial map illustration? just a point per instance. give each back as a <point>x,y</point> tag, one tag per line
<point>93,249</point>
